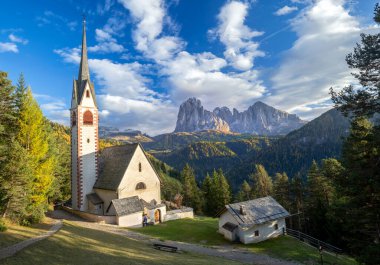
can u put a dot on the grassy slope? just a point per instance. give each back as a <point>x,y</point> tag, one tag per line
<point>204,231</point>
<point>16,233</point>
<point>78,245</point>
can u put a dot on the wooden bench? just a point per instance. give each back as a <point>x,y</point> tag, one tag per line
<point>165,247</point>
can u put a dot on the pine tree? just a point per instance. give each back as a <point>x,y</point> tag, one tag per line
<point>297,189</point>
<point>208,195</point>
<point>281,190</point>
<point>364,101</point>
<point>223,194</point>
<point>192,195</point>
<point>262,182</point>
<point>245,192</point>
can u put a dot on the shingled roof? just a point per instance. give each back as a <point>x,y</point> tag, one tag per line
<point>94,198</point>
<point>257,211</point>
<point>113,162</point>
<point>128,205</point>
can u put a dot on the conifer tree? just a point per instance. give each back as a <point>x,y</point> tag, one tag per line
<point>33,137</point>
<point>262,182</point>
<point>298,195</point>
<point>245,192</point>
<point>208,195</point>
<point>192,195</point>
<point>281,190</point>
<point>223,193</point>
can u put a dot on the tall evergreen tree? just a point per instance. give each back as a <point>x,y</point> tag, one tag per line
<point>192,194</point>
<point>245,192</point>
<point>281,190</point>
<point>298,197</point>
<point>262,182</point>
<point>223,193</point>
<point>208,195</point>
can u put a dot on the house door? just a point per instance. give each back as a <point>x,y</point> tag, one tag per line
<point>157,216</point>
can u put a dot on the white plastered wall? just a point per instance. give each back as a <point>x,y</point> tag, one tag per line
<point>132,176</point>
<point>131,220</point>
<point>266,231</point>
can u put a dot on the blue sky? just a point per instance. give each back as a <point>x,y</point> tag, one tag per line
<point>148,56</point>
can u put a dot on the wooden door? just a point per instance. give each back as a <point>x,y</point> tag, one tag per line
<point>157,216</point>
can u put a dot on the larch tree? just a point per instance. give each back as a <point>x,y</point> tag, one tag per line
<point>33,137</point>
<point>208,195</point>
<point>245,192</point>
<point>281,190</point>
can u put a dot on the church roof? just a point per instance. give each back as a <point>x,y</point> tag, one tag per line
<point>256,211</point>
<point>113,162</point>
<point>128,205</point>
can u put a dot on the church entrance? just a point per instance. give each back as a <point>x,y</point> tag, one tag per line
<point>157,216</point>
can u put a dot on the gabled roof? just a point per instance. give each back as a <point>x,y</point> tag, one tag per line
<point>94,198</point>
<point>128,205</point>
<point>257,211</point>
<point>113,162</point>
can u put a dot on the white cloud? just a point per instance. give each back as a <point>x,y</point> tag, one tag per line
<point>236,36</point>
<point>8,47</point>
<point>285,10</point>
<point>54,108</point>
<point>326,33</point>
<point>17,39</point>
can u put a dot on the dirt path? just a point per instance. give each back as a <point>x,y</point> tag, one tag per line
<point>11,250</point>
<point>217,251</point>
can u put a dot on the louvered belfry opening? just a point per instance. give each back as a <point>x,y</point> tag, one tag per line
<point>88,118</point>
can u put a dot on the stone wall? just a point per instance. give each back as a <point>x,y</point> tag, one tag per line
<point>92,217</point>
<point>179,214</point>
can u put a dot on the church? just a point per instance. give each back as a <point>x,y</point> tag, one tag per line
<point>117,185</point>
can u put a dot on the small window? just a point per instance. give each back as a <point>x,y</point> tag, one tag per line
<point>257,233</point>
<point>276,227</point>
<point>140,168</point>
<point>140,186</point>
<point>88,140</point>
<point>87,118</point>
<point>87,94</point>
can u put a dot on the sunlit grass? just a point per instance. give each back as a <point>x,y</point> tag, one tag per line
<point>77,245</point>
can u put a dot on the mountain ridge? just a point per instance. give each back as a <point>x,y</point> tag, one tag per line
<point>258,119</point>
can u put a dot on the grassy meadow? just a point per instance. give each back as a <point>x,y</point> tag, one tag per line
<point>203,230</point>
<point>77,245</point>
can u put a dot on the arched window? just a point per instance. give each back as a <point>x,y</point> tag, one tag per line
<point>140,186</point>
<point>87,94</point>
<point>140,168</point>
<point>74,119</point>
<point>87,118</point>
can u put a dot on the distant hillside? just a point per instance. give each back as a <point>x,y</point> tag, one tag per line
<point>127,136</point>
<point>321,138</point>
<point>171,141</point>
<point>204,157</point>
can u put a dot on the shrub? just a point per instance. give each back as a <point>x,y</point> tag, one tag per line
<point>3,228</point>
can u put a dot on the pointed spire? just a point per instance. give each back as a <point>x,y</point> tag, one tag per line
<point>84,73</point>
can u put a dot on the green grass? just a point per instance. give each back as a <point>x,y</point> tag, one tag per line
<point>200,230</point>
<point>289,248</point>
<point>16,233</point>
<point>77,245</point>
<point>203,230</point>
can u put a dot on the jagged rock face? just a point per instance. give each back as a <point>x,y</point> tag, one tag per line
<point>192,117</point>
<point>258,119</point>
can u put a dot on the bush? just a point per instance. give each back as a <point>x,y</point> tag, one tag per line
<point>3,228</point>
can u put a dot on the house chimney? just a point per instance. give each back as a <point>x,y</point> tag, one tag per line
<point>242,209</point>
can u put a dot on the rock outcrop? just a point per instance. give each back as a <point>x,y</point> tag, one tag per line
<point>259,119</point>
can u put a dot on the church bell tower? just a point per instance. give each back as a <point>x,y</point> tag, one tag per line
<point>84,133</point>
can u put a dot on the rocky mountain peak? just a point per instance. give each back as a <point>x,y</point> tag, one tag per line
<point>259,118</point>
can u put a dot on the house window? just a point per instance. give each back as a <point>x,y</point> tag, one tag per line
<point>140,168</point>
<point>276,227</point>
<point>140,186</point>
<point>257,233</point>
<point>87,118</point>
<point>87,94</point>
